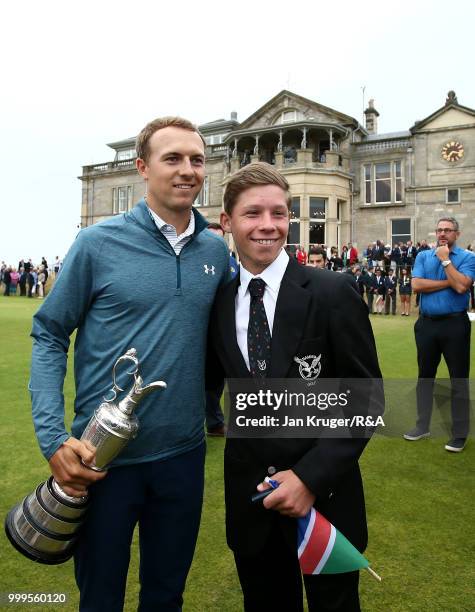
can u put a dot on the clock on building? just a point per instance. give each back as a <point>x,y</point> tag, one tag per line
<point>452,151</point>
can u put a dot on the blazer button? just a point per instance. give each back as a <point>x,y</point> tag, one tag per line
<point>271,470</point>
<point>331,495</point>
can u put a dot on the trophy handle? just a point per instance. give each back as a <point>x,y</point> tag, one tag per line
<point>130,355</point>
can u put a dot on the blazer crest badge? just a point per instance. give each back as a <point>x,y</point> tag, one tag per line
<point>310,366</point>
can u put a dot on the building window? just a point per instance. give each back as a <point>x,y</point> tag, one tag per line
<point>382,175</point>
<point>398,180</point>
<point>382,182</point>
<point>202,199</point>
<point>367,182</point>
<point>126,154</point>
<point>294,225</point>
<point>317,208</point>
<point>317,214</point>
<point>121,199</point>
<point>453,196</point>
<point>400,230</point>
<point>295,209</point>
<point>215,138</point>
<point>289,116</point>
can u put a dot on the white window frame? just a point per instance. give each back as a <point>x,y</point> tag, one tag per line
<point>126,154</point>
<point>372,181</point>
<point>315,220</point>
<point>383,180</point>
<point>367,181</point>
<point>215,139</point>
<point>294,116</point>
<point>118,199</point>
<point>395,178</point>
<point>457,201</point>
<point>202,199</point>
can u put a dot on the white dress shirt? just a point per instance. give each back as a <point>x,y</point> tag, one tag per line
<point>272,276</point>
<point>169,231</point>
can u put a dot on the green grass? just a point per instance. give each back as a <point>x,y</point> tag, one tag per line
<point>419,499</point>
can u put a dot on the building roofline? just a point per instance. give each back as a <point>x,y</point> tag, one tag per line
<point>346,119</point>
<point>440,111</point>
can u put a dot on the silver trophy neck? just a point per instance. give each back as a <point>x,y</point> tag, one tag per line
<point>137,393</point>
<point>116,421</point>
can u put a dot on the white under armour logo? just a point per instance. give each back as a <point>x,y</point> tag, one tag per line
<point>209,269</point>
<point>261,364</point>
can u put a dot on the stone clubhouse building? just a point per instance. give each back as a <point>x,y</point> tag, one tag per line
<point>348,182</point>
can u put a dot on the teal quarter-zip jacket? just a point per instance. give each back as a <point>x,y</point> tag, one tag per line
<point>123,286</point>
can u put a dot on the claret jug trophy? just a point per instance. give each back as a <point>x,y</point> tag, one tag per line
<point>45,525</point>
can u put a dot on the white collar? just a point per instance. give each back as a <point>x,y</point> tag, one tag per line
<point>159,222</point>
<point>272,275</point>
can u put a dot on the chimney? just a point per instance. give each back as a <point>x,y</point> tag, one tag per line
<point>371,118</point>
<point>233,116</point>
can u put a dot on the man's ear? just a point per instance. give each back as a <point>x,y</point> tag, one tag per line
<point>142,167</point>
<point>225,221</point>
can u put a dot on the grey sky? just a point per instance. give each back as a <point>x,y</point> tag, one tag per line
<point>78,75</point>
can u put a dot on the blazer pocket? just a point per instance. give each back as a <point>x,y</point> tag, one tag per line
<point>311,346</point>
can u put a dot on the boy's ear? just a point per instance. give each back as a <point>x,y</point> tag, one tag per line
<point>225,221</point>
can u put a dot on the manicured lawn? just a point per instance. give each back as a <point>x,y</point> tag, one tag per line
<point>419,498</point>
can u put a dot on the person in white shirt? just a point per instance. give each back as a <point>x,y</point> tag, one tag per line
<point>272,317</point>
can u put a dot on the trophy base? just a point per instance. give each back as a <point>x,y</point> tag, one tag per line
<point>26,550</point>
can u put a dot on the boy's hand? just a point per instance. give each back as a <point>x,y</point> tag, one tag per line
<point>291,498</point>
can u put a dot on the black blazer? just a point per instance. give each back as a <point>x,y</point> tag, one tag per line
<point>317,312</point>
<point>391,283</point>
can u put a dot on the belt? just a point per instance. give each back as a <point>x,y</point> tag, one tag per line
<point>450,315</point>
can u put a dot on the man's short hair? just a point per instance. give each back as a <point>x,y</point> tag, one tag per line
<point>142,141</point>
<point>253,175</point>
<point>215,226</point>
<point>318,251</point>
<point>452,220</point>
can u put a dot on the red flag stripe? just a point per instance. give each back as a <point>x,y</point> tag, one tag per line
<point>316,545</point>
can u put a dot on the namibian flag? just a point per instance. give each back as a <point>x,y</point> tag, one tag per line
<point>322,549</point>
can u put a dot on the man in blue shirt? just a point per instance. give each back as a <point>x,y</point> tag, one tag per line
<point>443,276</point>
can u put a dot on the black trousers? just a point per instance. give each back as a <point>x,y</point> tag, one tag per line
<point>370,297</point>
<point>164,498</point>
<point>449,337</point>
<point>390,302</point>
<point>271,581</point>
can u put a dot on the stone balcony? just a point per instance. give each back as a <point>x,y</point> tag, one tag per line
<point>304,160</point>
<point>122,165</point>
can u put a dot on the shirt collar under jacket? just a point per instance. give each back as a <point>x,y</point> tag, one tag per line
<point>272,275</point>
<point>141,214</point>
<point>163,226</point>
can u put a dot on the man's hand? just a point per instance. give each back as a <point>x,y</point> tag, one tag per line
<point>67,468</point>
<point>291,498</point>
<point>442,252</point>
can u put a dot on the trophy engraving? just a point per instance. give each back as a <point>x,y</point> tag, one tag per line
<point>44,525</point>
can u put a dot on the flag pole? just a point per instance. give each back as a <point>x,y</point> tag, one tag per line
<point>373,573</point>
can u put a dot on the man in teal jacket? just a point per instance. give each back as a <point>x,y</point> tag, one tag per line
<point>145,279</point>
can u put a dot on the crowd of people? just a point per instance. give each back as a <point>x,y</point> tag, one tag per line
<point>27,279</point>
<point>381,271</point>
